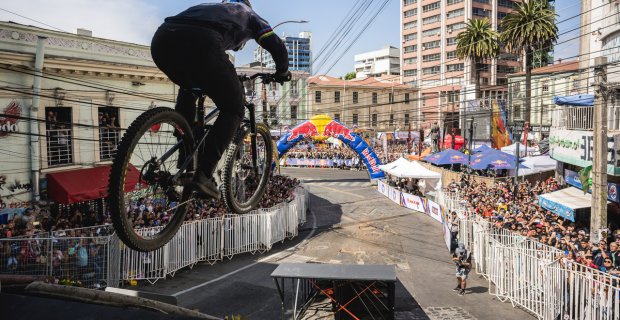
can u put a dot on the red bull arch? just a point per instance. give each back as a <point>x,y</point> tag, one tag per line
<point>321,127</point>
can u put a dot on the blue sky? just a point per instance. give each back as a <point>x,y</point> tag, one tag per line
<point>136,20</point>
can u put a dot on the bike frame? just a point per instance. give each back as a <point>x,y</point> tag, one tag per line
<point>201,132</point>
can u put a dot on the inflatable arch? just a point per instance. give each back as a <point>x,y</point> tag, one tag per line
<point>322,127</point>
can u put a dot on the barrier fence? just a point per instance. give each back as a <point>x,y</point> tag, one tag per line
<point>535,276</point>
<point>104,260</point>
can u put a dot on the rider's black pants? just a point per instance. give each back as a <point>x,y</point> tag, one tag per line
<point>194,57</point>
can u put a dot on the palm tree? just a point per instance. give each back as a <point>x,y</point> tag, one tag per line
<point>529,28</point>
<point>477,42</point>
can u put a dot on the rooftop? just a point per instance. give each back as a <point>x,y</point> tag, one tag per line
<point>554,68</point>
<point>367,82</point>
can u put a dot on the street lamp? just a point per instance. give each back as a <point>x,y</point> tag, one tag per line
<point>518,126</point>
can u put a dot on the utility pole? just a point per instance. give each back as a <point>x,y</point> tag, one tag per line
<point>598,215</point>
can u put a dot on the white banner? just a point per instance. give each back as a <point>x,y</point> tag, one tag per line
<point>413,202</point>
<point>447,235</point>
<point>395,195</point>
<point>434,210</point>
<point>383,188</point>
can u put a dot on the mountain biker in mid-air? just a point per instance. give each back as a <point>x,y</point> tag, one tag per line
<point>190,48</point>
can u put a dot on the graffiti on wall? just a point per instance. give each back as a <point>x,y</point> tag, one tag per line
<point>9,198</point>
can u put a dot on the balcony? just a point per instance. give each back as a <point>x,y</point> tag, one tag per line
<point>581,118</point>
<point>109,139</point>
<point>59,147</point>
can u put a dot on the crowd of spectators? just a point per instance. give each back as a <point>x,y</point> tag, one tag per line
<point>495,204</point>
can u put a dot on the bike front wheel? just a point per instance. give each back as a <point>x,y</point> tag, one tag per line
<point>147,198</point>
<point>243,183</point>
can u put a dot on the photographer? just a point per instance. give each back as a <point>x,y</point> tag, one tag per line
<point>462,259</point>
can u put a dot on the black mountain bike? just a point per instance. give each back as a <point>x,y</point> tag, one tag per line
<point>155,161</point>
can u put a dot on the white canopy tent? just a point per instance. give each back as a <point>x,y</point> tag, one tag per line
<point>402,168</point>
<point>512,150</point>
<point>536,164</point>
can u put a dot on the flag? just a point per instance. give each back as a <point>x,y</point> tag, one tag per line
<point>586,180</point>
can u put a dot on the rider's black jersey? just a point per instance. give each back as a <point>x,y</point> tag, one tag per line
<point>237,23</point>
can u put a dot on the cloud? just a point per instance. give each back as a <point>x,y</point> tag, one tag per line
<point>123,20</point>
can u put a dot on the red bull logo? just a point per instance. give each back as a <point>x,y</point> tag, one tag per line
<point>306,129</point>
<point>335,129</point>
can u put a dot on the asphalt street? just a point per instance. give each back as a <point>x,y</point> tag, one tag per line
<point>349,223</point>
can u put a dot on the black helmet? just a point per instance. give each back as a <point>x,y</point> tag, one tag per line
<point>246,2</point>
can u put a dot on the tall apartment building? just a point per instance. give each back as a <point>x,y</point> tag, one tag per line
<point>382,62</point>
<point>299,53</point>
<point>428,53</point>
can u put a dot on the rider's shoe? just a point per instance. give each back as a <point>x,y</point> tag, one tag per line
<point>205,186</point>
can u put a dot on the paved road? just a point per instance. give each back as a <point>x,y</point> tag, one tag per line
<point>349,223</point>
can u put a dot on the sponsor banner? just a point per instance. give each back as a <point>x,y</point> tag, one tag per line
<point>383,188</point>
<point>576,147</point>
<point>434,210</point>
<point>395,195</point>
<point>559,209</point>
<point>318,162</point>
<point>572,178</point>
<point>447,235</point>
<point>416,203</point>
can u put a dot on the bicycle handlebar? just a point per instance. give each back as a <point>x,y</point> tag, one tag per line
<point>266,77</point>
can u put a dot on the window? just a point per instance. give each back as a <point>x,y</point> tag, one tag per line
<point>501,81</point>
<point>431,57</point>
<point>451,2</point>
<point>506,4</point>
<point>480,12</point>
<point>431,44</point>
<point>273,115</point>
<point>412,60</point>
<point>450,41</point>
<point>450,55</point>
<point>294,91</point>
<point>411,73</point>
<point>408,2</point>
<point>337,116</point>
<point>317,96</point>
<point>455,26</point>
<point>483,1</point>
<point>484,80</point>
<point>406,98</point>
<point>390,97</point>
<point>431,19</point>
<point>59,136</point>
<point>431,70</point>
<point>501,15</point>
<point>410,13</point>
<point>410,25</point>
<point>374,120</point>
<point>431,32</point>
<point>409,37</point>
<point>506,69</point>
<point>516,87</point>
<point>409,49</point>
<point>391,120</point>
<point>337,96</point>
<point>109,132</point>
<point>406,118</point>
<point>431,7</point>
<point>293,113</point>
<point>454,67</point>
<point>455,13</point>
<point>545,86</point>
<point>453,96</point>
<point>355,118</point>
<point>484,67</point>
<point>355,97</point>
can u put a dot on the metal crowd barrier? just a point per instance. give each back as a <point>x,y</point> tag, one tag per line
<point>537,277</point>
<point>105,261</point>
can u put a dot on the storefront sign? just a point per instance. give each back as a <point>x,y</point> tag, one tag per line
<point>572,178</point>
<point>576,147</point>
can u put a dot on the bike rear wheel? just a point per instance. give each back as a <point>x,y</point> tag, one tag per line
<point>243,184</point>
<point>146,216</point>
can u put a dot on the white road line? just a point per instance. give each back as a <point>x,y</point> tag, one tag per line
<point>267,258</point>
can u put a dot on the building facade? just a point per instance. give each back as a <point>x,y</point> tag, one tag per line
<point>383,62</point>
<point>299,53</point>
<point>378,104</point>
<point>547,82</point>
<point>428,53</point>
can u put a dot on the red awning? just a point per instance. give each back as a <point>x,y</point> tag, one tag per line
<point>84,184</point>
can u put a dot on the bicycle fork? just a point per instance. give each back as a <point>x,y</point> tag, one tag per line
<point>252,111</point>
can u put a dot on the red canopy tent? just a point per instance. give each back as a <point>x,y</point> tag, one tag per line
<point>74,186</point>
<point>459,141</point>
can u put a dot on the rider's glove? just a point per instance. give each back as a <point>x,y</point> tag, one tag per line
<point>282,77</point>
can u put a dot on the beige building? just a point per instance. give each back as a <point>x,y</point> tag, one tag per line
<point>373,103</point>
<point>428,33</point>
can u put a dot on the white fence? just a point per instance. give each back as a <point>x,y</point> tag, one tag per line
<point>109,262</point>
<point>537,277</point>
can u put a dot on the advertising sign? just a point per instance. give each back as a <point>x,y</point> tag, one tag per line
<point>559,209</point>
<point>576,147</point>
<point>395,195</point>
<point>434,210</point>
<point>413,202</point>
<point>572,178</point>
